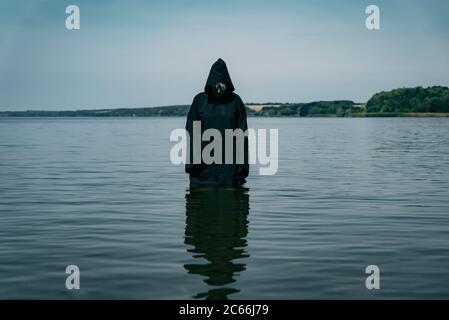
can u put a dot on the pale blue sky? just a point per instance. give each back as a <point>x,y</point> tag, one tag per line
<point>147,53</point>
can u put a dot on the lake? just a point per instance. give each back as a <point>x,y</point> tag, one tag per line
<point>102,194</point>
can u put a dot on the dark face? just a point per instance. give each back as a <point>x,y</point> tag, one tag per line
<point>219,89</point>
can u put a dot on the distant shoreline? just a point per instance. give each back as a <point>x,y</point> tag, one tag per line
<point>356,115</point>
<point>403,102</point>
<point>404,115</point>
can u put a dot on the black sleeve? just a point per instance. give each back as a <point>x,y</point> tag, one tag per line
<point>193,115</point>
<point>243,169</point>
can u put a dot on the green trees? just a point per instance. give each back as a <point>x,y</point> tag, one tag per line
<point>419,99</point>
<point>320,108</point>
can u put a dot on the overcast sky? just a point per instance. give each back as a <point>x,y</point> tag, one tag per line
<point>143,53</point>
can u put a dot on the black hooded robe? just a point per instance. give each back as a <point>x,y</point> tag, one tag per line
<point>225,112</point>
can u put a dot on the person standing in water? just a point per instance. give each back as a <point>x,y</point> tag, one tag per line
<point>218,107</point>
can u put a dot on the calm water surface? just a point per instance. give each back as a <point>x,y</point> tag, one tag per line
<point>103,195</point>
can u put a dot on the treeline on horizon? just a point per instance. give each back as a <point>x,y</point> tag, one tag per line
<point>398,102</point>
<point>415,100</point>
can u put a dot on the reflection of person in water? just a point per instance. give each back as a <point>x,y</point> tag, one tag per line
<point>216,228</point>
<point>218,107</point>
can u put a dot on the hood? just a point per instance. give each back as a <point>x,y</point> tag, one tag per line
<point>219,73</point>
